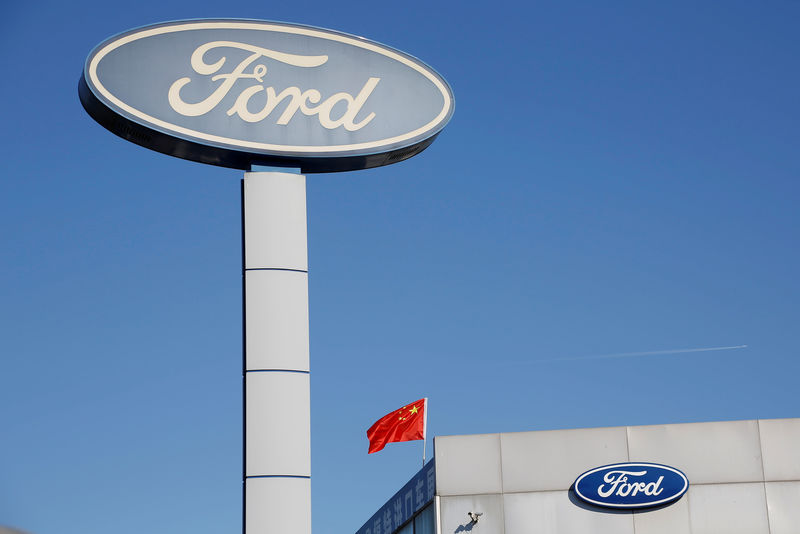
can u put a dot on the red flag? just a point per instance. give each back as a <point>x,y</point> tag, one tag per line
<point>405,424</point>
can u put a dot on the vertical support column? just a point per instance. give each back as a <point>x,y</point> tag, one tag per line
<point>277,407</point>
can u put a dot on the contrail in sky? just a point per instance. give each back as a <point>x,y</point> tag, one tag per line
<point>646,353</point>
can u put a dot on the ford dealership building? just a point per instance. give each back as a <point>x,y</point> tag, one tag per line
<point>741,477</point>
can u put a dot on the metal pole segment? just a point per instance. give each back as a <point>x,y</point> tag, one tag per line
<point>277,444</point>
<point>424,428</point>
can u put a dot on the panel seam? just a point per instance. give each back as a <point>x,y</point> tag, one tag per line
<point>628,453</point>
<point>763,472</point>
<point>518,492</point>
<point>502,481</point>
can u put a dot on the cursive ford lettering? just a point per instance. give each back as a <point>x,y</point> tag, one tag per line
<point>618,484</point>
<point>308,102</point>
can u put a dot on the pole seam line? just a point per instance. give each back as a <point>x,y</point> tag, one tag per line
<point>276,371</point>
<point>277,476</point>
<point>275,269</point>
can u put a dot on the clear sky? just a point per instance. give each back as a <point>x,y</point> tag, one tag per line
<point>618,178</point>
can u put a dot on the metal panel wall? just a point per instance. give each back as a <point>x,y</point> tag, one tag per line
<point>564,452</point>
<point>744,477</point>
<point>469,464</point>
<point>728,508</point>
<point>454,519</point>
<point>780,443</point>
<point>728,451</point>
<point>783,501</point>
<point>553,511</point>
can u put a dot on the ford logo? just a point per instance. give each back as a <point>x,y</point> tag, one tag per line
<point>631,485</point>
<point>239,93</point>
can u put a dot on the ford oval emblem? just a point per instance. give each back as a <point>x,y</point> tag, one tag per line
<point>239,93</point>
<point>631,485</point>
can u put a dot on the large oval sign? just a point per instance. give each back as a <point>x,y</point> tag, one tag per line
<point>239,93</point>
<point>631,485</point>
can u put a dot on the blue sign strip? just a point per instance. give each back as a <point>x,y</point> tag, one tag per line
<point>412,498</point>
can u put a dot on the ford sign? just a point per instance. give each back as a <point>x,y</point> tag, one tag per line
<point>631,485</point>
<point>239,93</point>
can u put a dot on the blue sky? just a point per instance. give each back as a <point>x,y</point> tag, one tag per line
<point>617,178</point>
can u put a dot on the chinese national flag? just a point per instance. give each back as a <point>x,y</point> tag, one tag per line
<point>405,424</point>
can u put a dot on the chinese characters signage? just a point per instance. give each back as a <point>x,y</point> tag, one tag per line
<point>417,492</point>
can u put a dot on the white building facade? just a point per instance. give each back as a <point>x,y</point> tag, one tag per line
<point>744,477</point>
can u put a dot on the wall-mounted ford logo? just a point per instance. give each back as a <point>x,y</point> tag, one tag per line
<point>631,485</point>
<point>243,92</point>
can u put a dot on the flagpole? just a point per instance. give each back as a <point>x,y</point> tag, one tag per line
<point>424,429</point>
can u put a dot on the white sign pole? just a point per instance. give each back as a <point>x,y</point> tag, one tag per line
<point>277,407</point>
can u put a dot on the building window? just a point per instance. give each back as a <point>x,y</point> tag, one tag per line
<point>424,523</point>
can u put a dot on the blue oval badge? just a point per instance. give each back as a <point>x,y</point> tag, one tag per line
<point>631,485</point>
<point>238,93</point>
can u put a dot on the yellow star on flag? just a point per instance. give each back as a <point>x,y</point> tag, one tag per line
<point>404,424</point>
